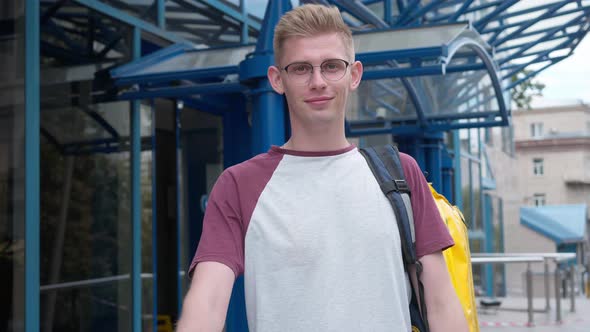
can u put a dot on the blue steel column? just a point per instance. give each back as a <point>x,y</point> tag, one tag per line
<point>458,198</point>
<point>244,33</point>
<point>136,197</point>
<point>268,113</point>
<point>488,243</point>
<point>433,153</point>
<point>161,13</point>
<point>447,174</point>
<point>32,187</point>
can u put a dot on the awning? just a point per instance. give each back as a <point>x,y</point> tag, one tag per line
<point>436,77</point>
<point>564,224</point>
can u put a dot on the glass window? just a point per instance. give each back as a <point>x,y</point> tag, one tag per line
<point>85,194</point>
<point>12,166</point>
<point>538,168</point>
<point>536,129</point>
<point>539,199</point>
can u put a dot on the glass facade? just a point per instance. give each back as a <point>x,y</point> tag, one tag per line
<point>12,166</point>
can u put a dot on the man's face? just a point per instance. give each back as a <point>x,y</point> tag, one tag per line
<point>321,99</point>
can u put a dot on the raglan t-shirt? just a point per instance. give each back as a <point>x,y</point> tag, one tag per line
<point>316,240</point>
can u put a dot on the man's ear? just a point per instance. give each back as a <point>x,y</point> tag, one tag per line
<point>356,73</point>
<point>274,77</point>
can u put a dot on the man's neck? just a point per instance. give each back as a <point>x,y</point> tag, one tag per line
<point>317,140</point>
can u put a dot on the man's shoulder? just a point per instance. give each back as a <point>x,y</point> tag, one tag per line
<point>261,165</point>
<point>409,164</point>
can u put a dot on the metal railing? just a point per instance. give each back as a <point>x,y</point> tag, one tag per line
<point>528,258</point>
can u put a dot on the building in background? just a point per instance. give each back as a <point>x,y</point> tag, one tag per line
<point>547,195</point>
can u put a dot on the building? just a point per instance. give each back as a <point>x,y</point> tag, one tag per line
<point>552,159</point>
<point>116,118</point>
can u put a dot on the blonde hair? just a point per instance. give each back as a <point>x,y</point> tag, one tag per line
<point>311,20</point>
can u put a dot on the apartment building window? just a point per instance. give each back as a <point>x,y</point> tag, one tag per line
<point>536,129</point>
<point>539,199</point>
<point>538,168</point>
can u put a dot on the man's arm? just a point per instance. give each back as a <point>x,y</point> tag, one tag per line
<point>205,305</point>
<point>445,313</point>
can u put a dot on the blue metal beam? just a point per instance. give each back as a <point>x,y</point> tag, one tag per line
<point>131,20</point>
<point>408,129</point>
<point>161,14</point>
<point>526,25</point>
<point>230,12</point>
<point>378,74</point>
<point>244,35</point>
<point>503,6</point>
<point>503,27</point>
<point>361,12</point>
<point>447,17</point>
<point>32,162</point>
<point>387,12</point>
<point>408,9</point>
<point>461,10</point>
<point>178,92</point>
<point>533,73</point>
<point>135,208</point>
<point>545,35</point>
<point>408,20</point>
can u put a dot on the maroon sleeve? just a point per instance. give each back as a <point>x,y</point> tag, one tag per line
<point>222,239</point>
<point>432,234</point>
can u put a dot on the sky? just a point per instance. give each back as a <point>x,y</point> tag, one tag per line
<point>570,78</point>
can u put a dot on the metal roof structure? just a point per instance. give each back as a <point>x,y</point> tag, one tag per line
<point>492,46</point>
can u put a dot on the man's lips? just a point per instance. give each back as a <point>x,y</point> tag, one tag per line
<point>318,100</point>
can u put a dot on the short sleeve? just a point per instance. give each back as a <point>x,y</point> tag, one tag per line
<point>222,238</point>
<point>432,234</point>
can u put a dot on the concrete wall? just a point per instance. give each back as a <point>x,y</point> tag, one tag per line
<point>565,149</point>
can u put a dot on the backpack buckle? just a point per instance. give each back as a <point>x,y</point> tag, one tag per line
<point>400,186</point>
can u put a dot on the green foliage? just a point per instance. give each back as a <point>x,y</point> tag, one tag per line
<point>523,93</point>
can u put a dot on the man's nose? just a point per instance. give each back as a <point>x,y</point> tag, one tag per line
<point>317,80</point>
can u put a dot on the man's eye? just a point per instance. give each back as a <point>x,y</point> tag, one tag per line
<point>332,66</point>
<point>300,69</point>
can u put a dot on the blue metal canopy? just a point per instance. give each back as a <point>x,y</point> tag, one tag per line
<point>410,65</point>
<point>564,224</point>
<point>528,35</point>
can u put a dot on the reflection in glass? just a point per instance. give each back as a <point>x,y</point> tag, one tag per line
<point>86,234</point>
<point>12,167</point>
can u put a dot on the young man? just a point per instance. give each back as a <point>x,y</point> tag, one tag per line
<point>306,223</point>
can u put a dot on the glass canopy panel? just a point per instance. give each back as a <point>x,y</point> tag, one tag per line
<point>464,91</point>
<point>404,39</point>
<point>377,100</point>
<point>75,125</point>
<point>198,59</point>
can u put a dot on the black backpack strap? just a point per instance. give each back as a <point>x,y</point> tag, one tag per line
<point>385,163</point>
<point>387,168</point>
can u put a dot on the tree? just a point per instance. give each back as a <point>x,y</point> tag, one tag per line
<point>523,93</point>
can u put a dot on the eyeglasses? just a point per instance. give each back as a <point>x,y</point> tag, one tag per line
<point>332,70</point>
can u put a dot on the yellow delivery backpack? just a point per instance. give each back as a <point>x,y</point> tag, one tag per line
<point>458,258</point>
<point>385,164</point>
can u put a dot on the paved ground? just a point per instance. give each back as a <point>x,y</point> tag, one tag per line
<point>513,316</point>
